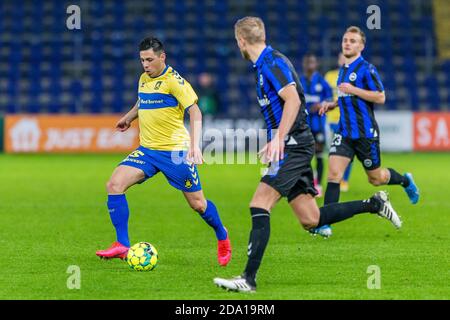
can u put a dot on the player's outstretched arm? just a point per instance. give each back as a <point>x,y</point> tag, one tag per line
<point>195,153</point>
<point>125,122</point>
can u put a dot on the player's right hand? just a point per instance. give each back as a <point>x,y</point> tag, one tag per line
<point>123,124</point>
<point>194,155</point>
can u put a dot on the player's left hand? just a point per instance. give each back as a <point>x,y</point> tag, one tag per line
<point>195,155</point>
<point>346,87</point>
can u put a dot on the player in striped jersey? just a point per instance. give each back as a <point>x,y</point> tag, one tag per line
<point>359,89</point>
<point>316,90</point>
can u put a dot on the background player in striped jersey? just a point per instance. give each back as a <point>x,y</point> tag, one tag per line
<point>359,89</point>
<point>316,90</point>
<point>165,146</point>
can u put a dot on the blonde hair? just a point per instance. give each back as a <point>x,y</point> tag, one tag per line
<point>251,29</point>
<point>354,29</point>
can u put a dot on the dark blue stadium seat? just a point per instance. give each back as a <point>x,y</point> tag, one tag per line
<point>432,87</point>
<point>200,31</point>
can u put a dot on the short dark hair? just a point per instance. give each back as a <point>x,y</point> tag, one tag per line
<point>151,43</point>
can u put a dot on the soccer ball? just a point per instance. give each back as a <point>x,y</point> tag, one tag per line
<point>142,257</point>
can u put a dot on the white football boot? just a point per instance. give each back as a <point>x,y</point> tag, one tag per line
<point>387,211</point>
<point>235,284</point>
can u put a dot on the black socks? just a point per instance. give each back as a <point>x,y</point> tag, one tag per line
<point>259,237</point>
<point>335,212</point>
<point>319,169</point>
<point>397,178</point>
<point>332,193</point>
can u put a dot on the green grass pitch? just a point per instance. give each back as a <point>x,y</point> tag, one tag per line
<point>53,215</point>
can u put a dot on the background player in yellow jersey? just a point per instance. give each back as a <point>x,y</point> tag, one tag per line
<point>333,115</point>
<point>165,145</point>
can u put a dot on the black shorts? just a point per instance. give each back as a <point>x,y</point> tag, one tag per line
<point>293,175</point>
<point>367,150</point>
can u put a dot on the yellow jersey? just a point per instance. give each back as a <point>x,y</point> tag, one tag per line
<point>162,103</point>
<point>331,77</point>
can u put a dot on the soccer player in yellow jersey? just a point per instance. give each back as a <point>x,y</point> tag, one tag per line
<point>165,146</point>
<point>333,115</point>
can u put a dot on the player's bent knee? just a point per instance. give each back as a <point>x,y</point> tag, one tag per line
<point>375,181</point>
<point>115,187</point>
<point>198,205</point>
<point>310,220</point>
<point>257,203</point>
<point>260,204</point>
<point>334,176</point>
<point>309,223</point>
